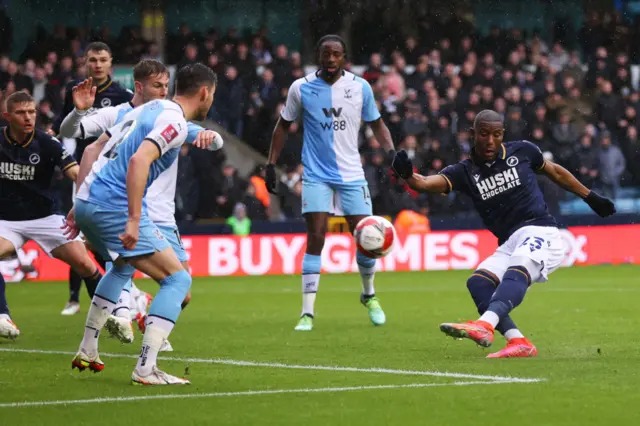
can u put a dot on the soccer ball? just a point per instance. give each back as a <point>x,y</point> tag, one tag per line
<point>374,236</point>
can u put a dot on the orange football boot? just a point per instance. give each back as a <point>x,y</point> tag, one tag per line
<point>480,332</point>
<point>141,320</point>
<point>519,347</point>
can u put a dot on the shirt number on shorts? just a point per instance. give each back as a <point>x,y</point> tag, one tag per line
<point>365,193</point>
<point>535,243</point>
<point>178,237</point>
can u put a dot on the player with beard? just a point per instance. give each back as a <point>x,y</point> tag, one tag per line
<point>332,103</point>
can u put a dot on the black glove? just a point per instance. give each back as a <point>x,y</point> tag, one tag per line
<point>601,205</point>
<point>402,165</point>
<point>270,178</point>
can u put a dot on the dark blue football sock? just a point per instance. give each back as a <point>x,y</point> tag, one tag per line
<point>482,285</point>
<point>510,293</point>
<point>4,307</point>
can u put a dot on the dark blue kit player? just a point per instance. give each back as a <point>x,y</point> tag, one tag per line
<point>28,208</point>
<point>98,60</point>
<point>501,181</point>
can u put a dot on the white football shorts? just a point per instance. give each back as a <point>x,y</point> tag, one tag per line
<point>46,232</point>
<point>544,245</point>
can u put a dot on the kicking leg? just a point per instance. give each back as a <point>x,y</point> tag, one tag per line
<point>482,284</point>
<point>367,268</point>
<point>311,264</point>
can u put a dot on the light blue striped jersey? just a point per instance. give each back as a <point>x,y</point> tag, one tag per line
<point>331,116</point>
<point>161,194</point>
<point>161,122</point>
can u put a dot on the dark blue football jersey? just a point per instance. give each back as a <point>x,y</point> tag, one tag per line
<point>26,172</point>
<point>110,93</point>
<point>505,193</point>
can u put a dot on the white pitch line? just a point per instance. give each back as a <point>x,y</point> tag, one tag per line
<point>241,393</point>
<point>299,367</point>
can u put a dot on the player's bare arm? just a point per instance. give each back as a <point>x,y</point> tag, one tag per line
<point>382,134</point>
<point>563,178</point>
<point>208,138</point>
<point>278,139</point>
<point>436,184</point>
<point>91,154</point>
<point>137,175</point>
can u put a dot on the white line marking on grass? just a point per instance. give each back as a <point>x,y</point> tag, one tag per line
<point>241,393</point>
<point>299,367</point>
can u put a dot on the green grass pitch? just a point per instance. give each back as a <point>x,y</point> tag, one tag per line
<point>248,367</point>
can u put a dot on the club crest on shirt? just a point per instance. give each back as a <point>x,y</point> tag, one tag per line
<point>105,102</point>
<point>512,161</point>
<point>347,94</point>
<point>34,158</point>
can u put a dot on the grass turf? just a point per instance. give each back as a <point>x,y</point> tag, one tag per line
<point>582,322</point>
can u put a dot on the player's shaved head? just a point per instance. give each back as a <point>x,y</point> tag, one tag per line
<point>487,116</point>
<point>18,98</point>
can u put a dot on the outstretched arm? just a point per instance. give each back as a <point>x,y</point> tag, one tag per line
<point>563,178</point>
<point>437,184</point>
<point>560,176</point>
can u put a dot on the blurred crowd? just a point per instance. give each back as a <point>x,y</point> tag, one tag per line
<point>578,104</point>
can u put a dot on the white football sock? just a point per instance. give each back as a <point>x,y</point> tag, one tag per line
<point>122,308</point>
<point>158,329</point>
<point>514,333</point>
<point>5,316</point>
<point>97,316</point>
<point>490,317</point>
<point>135,291</point>
<point>367,275</point>
<point>310,284</point>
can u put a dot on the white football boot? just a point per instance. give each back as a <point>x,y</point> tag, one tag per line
<point>71,308</point>
<point>8,329</point>
<point>157,377</point>
<point>120,328</point>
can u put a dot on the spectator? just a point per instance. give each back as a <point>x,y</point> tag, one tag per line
<point>239,223</point>
<point>608,106</point>
<point>565,135</point>
<point>588,161</point>
<point>612,165</point>
<point>230,101</point>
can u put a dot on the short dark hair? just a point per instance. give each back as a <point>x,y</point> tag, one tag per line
<point>97,46</point>
<point>147,68</point>
<point>487,115</point>
<point>331,37</point>
<point>190,78</point>
<point>18,98</point>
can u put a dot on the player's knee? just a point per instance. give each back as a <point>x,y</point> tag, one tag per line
<point>481,286</point>
<point>181,280</point>
<point>315,238</point>
<point>524,267</point>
